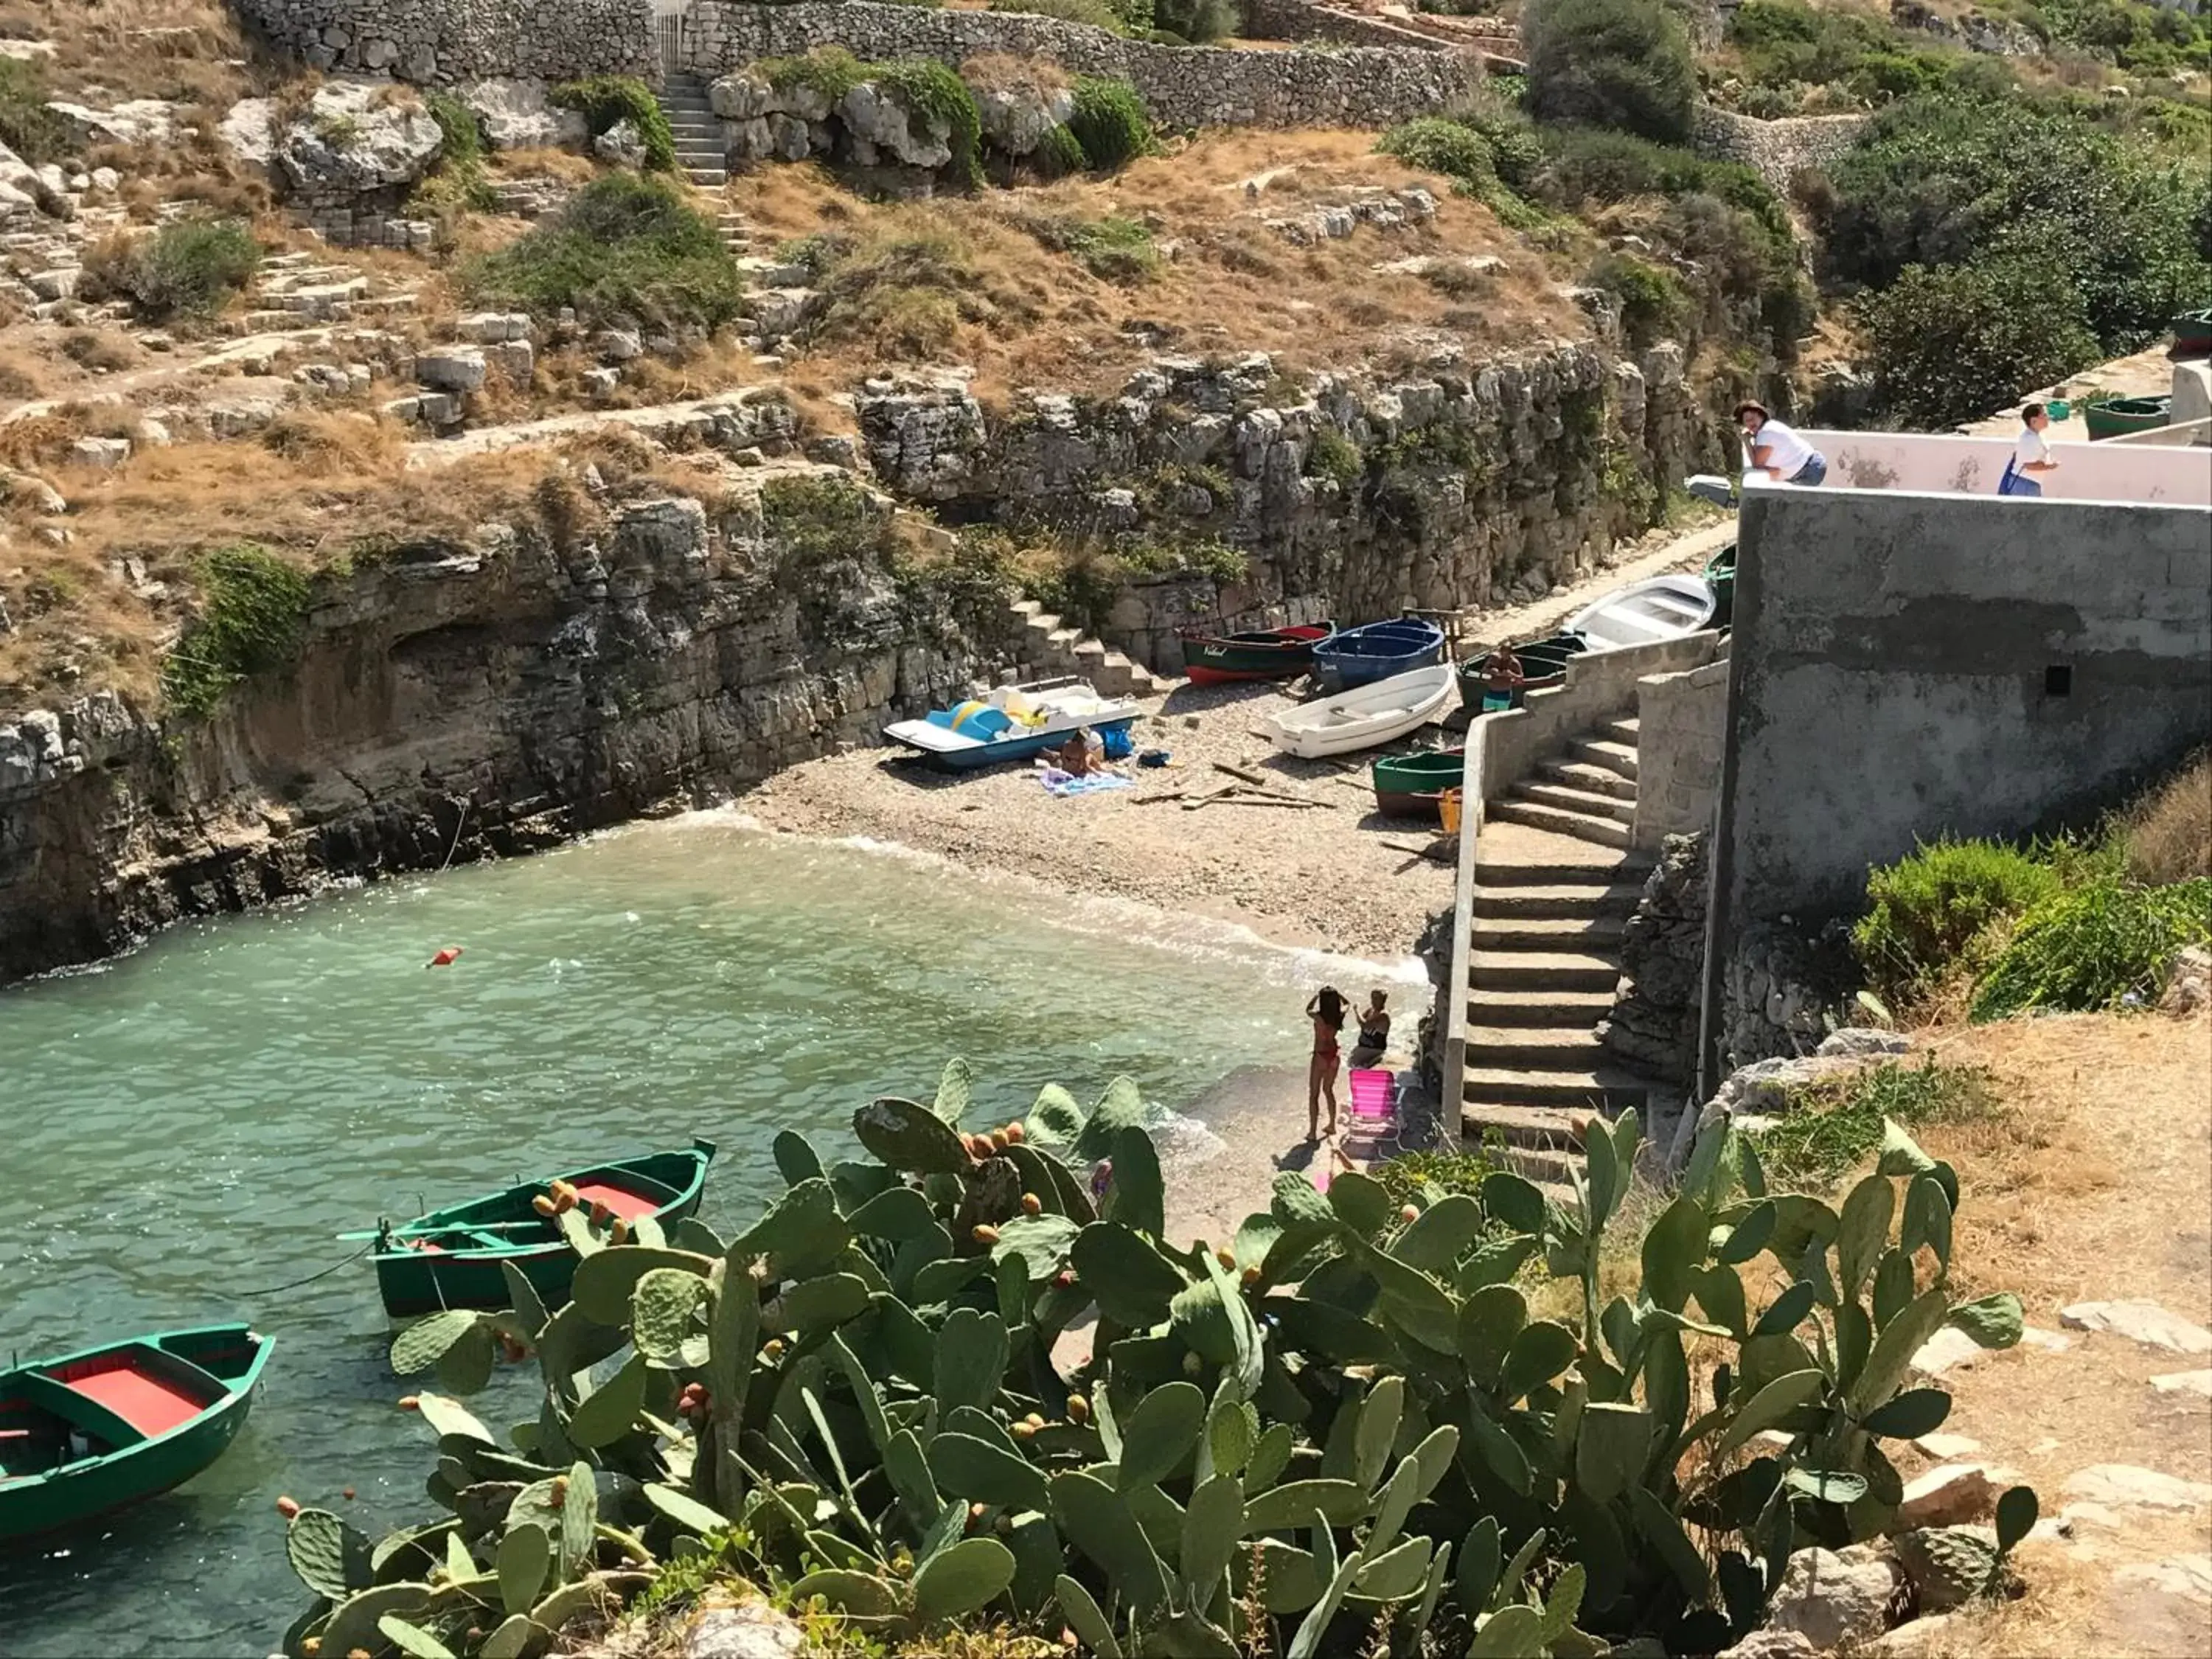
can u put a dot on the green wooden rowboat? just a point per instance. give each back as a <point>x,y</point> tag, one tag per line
<point>1406,786</point>
<point>1719,576</point>
<point>451,1258</point>
<point>100,1429</point>
<point>1543,661</point>
<point>2115,416</point>
<point>2192,332</point>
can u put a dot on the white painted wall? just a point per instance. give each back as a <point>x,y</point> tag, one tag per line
<point>1972,466</point>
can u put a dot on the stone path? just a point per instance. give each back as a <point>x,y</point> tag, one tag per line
<point>701,153</point>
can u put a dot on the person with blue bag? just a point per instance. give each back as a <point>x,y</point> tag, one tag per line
<point>2030,456</point>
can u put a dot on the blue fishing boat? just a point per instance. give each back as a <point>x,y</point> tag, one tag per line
<point>1377,651</point>
<point>1012,722</point>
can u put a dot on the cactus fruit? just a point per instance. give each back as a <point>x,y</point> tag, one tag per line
<point>1227,1259</point>
<point>1079,1409</point>
<point>311,1647</point>
<point>773,1347</point>
<point>1409,1212</point>
<point>359,1653</point>
<point>619,1233</point>
<point>560,1490</point>
<point>1251,1277</point>
<point>984,1234</point>
<point>347,1494</point>
<point>1023,1431</point>
<point>288,1507</point>
<point>978,1147</point>
<point>1032,1204</point>
<point>544,1207</point>
<point>411,1402</point>
<point>1013,1134</point>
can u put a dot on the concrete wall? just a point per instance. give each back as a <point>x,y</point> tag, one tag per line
<point>1972,466</point>
<point>1682,718</point>
<point>1181,86</point>
<point>1599,686</point>
<point>1896,673</point>
<point>449,40</point>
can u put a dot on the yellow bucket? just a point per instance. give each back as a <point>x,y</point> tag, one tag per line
<point>1447,806</point>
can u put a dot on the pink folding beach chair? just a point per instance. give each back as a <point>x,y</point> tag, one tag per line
<point>1371,1095</point>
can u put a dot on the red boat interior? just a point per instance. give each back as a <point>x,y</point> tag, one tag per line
<point>625,1203</point>
<point>149,1403</point>
<point>91,1406</point>
<point>628,1194</point>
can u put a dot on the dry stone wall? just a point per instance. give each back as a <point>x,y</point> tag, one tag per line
<point>457,40</point>
<point>1775,150</point>
<point>1181,86</point>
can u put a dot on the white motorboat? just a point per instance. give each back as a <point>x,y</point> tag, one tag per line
<point>1012,722</point>
<point>1365,716</point>
<point>1661,608</point>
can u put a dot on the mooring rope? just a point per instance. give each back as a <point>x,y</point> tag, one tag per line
<point>295,1284</point>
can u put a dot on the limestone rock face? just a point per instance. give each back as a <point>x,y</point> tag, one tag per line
<point>880,126</point>
<point>514,115</point>
<point>1015,116</point>
<point>621,144</point>
<point>356,137</point>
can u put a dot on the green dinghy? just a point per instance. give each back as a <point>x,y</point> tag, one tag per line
<point>1407,785</point>
<point>451,1258</point>
<point>100,1429</point>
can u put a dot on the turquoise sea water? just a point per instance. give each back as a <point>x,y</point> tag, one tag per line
<point>189,1125</point>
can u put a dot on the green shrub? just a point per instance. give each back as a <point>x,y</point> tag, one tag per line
<point>605,100</point>
<point>1516,150</point>
<point>830,71</point>
<point>1058,154</point>
<point>2102,220</point>
<point>903,295</point>
<point>2103,946</point>
<point>934,92</point>
<point>1333,456</point>
<point>1948,343</point>
<point>27,125</point>
<point>1437,145</point>
<point>1114,249</point>
<point>1623,63</point>
<point>1094,13</point>
<point>1927,911</point>
<point>186,270</point>
<point>1109,123</point>
<point>1653,303</point>
<point>1832,1128</point>
<point>625,248</point>
<point>1198,20</point>
<point>458,183</point>
<point>1424,1178</point>
<point>253,606</point>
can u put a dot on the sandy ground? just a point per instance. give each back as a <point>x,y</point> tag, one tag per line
<point>1333,876</point>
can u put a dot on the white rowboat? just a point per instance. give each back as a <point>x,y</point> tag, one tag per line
<point>1662,608</point>
<point>1366,716</point>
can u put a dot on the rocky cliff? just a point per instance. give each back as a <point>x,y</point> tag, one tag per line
<point>455,701</point>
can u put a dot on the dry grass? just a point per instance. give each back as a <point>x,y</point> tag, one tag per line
<point>188,52</point>
<point>22,376</point>
<point>1023,315</point>
<point>2169,831</point>
<point>2097,1185</point>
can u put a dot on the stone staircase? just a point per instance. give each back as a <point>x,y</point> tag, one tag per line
<point>700,154</point>
<point>1057,648</point>
<point>1555,885</point>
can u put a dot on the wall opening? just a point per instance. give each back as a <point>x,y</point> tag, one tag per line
<point>2058,680</point>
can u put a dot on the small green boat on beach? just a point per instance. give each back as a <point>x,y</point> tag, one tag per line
<point>107,1427</point>
<point>2115,417</point>
<point>451,1258</point>
<point>1544,662</point>
<point>1407,785</point>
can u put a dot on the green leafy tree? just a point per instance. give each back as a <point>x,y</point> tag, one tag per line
<point>1621,64</point>
<point>1948,343</point>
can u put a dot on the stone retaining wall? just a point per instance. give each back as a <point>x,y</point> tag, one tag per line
<point>1683,728</point>
<point>1181,86</point>
<point>1775,150</point>
<point>451,40</point>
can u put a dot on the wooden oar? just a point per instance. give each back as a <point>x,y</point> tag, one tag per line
<point>447,1227</point>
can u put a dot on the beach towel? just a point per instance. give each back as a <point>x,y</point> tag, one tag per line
<point>1065,784</point>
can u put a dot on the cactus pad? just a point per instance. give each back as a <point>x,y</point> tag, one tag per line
<point>665,1305</point>
<point>971,1574</point>
<point>908,1137</point>
<point>331,1557</point>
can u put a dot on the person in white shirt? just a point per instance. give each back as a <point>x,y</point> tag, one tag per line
<point>1777,451</point>
<point>2030,456</point>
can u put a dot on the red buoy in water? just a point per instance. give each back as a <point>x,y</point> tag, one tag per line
<point>445,958</point>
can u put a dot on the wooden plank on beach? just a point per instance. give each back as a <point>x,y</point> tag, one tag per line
<point>1429,853</point>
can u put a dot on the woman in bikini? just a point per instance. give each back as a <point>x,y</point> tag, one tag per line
<point>1326,1011</point>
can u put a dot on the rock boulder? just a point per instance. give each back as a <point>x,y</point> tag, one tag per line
<point>356,137</point>
<point>514,115</point>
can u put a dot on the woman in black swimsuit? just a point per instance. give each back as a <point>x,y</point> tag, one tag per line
<point>1374,1031</point>
<point>1326,1011</point>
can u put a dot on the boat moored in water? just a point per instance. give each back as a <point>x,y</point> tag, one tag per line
<point>451,1258</point>
<point>98,1431</point>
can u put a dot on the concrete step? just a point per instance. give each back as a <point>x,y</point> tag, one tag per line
<point>1623,731</point>
<point>1064,639</point>
<point>1531,1129</point>
<point>706,178</point>
<point>1618,757</point>
<point>1569,799</point>
<point>1599,935</point>
<point>1555,899</point>
<point>1492,1009</point>
<point>1537,1048</point>
<point>1540,971</point>
<point>1590,779</point>
<point>1589,1090</point>
<point>1606,831</point>
<point>1599,870</point>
